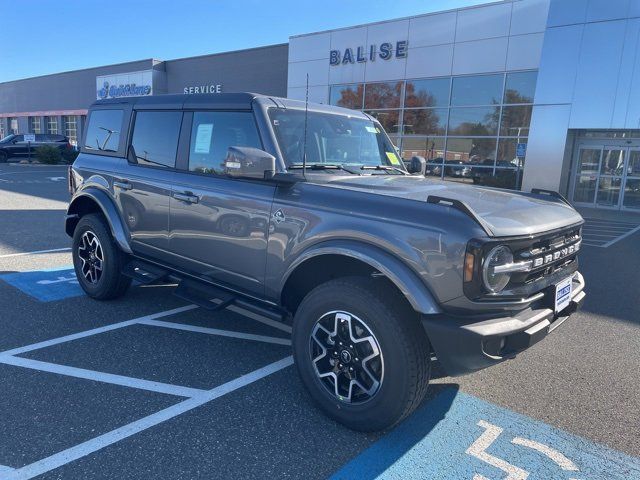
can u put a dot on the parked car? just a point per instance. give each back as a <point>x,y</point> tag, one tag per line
<point>305,213</point>
<point>15,147</point>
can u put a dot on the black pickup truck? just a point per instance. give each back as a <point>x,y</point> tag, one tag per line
<point>305,213</point>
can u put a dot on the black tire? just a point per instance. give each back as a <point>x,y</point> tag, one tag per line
<point>109,282</point>
<point>3,157</point>
<point>405,359</point>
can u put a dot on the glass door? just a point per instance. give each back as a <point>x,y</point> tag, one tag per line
<point>631,191</point>
<point>612,170</point>
<point>586,175</point>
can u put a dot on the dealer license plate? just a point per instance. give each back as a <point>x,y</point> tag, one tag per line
<point>563,294</point>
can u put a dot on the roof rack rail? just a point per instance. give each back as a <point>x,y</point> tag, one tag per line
<point>463,207</point>
<point>551,193</point>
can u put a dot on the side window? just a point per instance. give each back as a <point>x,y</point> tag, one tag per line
<point>103,131</point>
<point>212,133</point>
<point>155,138</point>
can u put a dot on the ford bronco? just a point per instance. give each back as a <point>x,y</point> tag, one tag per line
<point>305,213</point>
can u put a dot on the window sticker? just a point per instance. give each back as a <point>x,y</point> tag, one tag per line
<point>203,138</point>
<point>393,158</point>
<point>371,129</point>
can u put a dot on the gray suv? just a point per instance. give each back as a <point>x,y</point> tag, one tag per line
<point>305,213</point>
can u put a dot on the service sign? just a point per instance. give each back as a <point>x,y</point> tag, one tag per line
<point>133,84</point>
<point>203,88</point>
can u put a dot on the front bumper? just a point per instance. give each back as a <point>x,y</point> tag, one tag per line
<point>466,344</point>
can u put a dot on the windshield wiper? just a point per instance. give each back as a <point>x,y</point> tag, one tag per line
<point>322,166</point>
<point>383,167</point>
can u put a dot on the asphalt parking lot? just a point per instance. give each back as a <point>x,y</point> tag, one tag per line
<point>150,387</point>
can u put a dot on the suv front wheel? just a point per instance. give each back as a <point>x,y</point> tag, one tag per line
<point>361,352</point>
<point>97,260</point>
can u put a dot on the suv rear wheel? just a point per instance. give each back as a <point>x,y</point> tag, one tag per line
<point>361,352</point>
<point>97,260</point>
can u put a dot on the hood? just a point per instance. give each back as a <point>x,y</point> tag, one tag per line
<point>506,213</point>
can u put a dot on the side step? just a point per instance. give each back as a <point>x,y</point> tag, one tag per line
<point>144,273</point>
<point>202,295</point>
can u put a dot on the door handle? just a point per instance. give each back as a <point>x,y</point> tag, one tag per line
<point>122,184</point>
<point>187,197</point>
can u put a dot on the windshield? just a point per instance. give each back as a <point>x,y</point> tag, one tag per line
<point>333,140</point>
<point>7,138</point>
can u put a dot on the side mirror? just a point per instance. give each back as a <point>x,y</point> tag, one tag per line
<point>249,162</point>
<point>417,166</point>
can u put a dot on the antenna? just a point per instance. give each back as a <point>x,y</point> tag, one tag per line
<point>304,145</point>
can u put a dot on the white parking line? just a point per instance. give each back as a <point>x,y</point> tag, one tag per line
<point>95,331</point>
<point>4,469</point>
<point>631,232</point>
<point>74,453</point>
<point>121,380</point>
<point>20,254</point>
<point>216,331</point>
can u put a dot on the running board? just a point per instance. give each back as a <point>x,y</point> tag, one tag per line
<point>203,295</point>
<point>144,273</point>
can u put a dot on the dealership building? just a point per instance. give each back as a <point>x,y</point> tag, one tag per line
<point>516,93</point>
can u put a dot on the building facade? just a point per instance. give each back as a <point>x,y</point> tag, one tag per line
<point>58,103</point>
<point>515,93</point>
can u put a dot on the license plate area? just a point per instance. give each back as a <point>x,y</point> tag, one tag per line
<point>563,294</point>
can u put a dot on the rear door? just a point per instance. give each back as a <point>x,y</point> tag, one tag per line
<point>17,147</point>
<point>219,225</point>
<point>142,187</point>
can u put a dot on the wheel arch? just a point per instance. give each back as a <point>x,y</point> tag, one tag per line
<point>93,200</point>
<point>329,260</point>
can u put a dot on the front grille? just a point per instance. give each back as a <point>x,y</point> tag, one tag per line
<point>548,254</point>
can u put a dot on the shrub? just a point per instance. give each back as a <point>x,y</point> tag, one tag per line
<point>69,155</point>
<point>48,154</point>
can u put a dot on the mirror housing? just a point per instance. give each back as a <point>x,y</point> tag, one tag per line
<point>417,166</point>
<point>249,162</point>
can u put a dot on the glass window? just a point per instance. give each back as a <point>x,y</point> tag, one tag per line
<point>213,133</point>
<point>474,121</point>
<point>71,128</point>
<point>427,93</point>
<point>589,161</point>
<point>480,151</point>
<point>428,121</point>
<point>477,90</point>
<point>155,138</point>
<point>389,119</point>
<point>13,125</point>
<point>431,148</point>
<point>612,162</point>
<point>515,121</point>
<point>382,95</point>
<point>34,125</point>
<point>51,124</point>
<point>509,166</point>
<point>348,96</point>
<point>520,87</point>
<point>103,130</point>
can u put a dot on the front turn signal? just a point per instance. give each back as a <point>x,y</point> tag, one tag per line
<point>469,261</point>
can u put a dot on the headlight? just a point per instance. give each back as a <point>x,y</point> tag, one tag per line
<point>495,282</point>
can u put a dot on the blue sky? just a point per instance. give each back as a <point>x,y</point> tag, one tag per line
<point>47,36</point>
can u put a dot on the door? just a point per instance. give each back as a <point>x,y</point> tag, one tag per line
<point>612,166</point>
<point>219,225</point>
<point>586,175</point>
<point>142,186</point>
<point>631,185</point>
<point>17,147</point>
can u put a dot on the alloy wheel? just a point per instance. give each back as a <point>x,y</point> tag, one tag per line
<point>346,357</point>
<point>92,257</point>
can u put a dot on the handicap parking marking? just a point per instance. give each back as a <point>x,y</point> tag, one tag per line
<point>459,436</point>
<point>46,285</point>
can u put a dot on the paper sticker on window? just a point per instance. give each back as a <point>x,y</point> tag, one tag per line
<point>203,138</point>
<point>393,158</point>
<point>372,129</point>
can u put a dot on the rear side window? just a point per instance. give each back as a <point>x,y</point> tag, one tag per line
<point>155,138</point>
<point>212,133</point>
<point>103,131</point>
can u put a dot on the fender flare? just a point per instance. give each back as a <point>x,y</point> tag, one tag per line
<point>118,230</point>
<point>400,274</point>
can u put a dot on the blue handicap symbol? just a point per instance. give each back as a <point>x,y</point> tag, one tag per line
<point>46,285</point>
<point>458,436</point>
